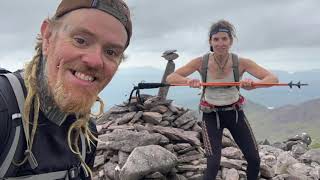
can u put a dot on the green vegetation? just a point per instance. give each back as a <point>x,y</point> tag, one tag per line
<point>315,145</point>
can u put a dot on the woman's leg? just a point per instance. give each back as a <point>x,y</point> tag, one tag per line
<point>243,135</point>
<point>212,138</point>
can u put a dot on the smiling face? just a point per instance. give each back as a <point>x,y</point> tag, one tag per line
<point>221,43</point>
<point>83,51</point>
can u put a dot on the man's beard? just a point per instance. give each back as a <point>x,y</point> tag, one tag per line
<point>70,102</point>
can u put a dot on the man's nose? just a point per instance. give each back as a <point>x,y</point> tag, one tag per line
<point>93,58</point>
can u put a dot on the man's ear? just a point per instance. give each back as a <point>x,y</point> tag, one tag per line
<point>45,36</point>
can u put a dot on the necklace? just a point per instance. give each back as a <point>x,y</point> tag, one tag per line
<point>222,65</point>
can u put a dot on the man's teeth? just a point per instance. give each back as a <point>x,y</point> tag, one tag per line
<point>84,77</point>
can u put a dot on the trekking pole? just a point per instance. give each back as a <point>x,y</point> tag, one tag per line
<point>222,84</point>
<point>216,84</point>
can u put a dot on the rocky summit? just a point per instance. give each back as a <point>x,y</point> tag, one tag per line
<point>157,140</point>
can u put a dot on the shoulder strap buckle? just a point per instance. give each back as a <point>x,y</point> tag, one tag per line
<point>73,173</point>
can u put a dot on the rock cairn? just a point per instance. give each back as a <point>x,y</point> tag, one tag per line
<point>157,140</point>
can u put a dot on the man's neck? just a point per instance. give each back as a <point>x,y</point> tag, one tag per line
<point>47,104</point>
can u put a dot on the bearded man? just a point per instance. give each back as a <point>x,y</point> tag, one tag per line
<point>78,52</point>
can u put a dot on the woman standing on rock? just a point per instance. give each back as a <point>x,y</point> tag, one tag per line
<point>222,106</point>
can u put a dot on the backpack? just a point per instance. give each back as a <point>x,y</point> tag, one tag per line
<point>204,69</point>
<point>15,148</point>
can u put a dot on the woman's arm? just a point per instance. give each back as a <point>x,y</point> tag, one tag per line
<point>180,75</point>
<point>258,72</point>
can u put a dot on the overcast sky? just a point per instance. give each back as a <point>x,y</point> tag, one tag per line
<point>278,34</point>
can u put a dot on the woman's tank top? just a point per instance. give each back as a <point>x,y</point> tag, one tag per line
<point>221,96</point>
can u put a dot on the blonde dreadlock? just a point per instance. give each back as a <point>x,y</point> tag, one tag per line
<point>82,125</point>
<point>32,99</point>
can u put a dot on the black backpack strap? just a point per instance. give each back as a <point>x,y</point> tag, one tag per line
<point>14,148</point>
<point>235,67</point>
<point>204,70</point>
<point>204,67</point>
<point>3,71</point>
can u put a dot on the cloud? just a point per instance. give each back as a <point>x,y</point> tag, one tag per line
<point>288,27</point>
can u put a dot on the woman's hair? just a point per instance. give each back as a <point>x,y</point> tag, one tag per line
<point>222,26</point>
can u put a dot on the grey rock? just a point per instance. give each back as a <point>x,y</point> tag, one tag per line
<point>176,134</point>
<point>197,128</point>
<point>126,141</point>
<point>227,142</point>
<point>188,125</point>
<point>266,142</point>
<point>144,160</point>
<point>231,153</point>
<point>109,168</point>
<point>170,51</point>
<point>269,160</point>
<point>312,155</point>
<point>299,169</point>
<point>173,109</point>
<point>299,149</point>
<point>186,159</point>
<point>270,150</point>
<point>164,123</point>
<point>160,109</point>
<point>181,146</point>
<point>118,110</point>
<point>155,101</point>
<point>232,174</point>
<point>315,172</point>
<point>283,162</point>
<point>136,117</point>
<point>196,177</point>
<point>187,117</point>
<point>280,145</point>
<point>123,156</point>
<point>232,163</point>
<point>122,127</point>
<point>98,161</point>
<point>305,137</point>
<point>156,175</point>
<point>267,171</point>
<point>125,118</point>
<point>183,168</point>
<point>152,117</point>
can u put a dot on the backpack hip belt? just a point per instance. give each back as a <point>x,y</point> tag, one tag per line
<point>209,108</point>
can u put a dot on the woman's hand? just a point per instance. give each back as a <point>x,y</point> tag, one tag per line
<point>194,83</point>
<point>247,84</point>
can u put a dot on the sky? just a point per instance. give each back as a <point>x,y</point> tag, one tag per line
<point>277,34</point>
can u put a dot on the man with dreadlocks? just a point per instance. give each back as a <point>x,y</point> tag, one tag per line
<point>78,52</point>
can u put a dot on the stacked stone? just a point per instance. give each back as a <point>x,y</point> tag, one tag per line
<point>153,140</point>
<point>156,140</point>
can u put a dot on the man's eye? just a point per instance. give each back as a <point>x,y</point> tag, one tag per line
<point>110,52</point>
<point>79,40</point>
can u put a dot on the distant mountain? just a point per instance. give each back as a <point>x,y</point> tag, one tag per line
<point>279,96</point>
<point>286,121</point>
